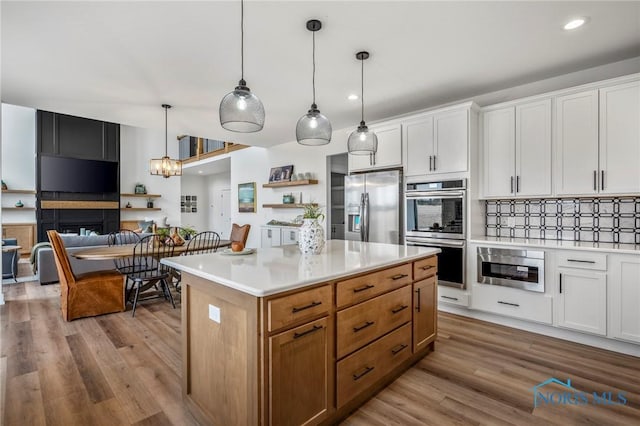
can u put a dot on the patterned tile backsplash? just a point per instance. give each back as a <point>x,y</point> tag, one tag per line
<point>612,220</point>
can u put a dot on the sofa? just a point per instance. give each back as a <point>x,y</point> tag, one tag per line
<point>47,272</point>
<point>9,258</point>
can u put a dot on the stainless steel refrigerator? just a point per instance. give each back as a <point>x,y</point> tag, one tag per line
<point>373,207</point>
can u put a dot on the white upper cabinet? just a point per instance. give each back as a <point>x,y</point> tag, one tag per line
<point>576,170</point>
<point>420,149</point>
<point>389,150</point>
<point>517,150</point>
<point>499,152</point>
<point>437,142</point>
<point>620,139</point>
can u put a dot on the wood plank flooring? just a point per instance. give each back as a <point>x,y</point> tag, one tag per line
<point>119,370</point>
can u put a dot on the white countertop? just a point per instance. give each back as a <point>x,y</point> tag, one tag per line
<point>560,244</point>
<point>278,269</point>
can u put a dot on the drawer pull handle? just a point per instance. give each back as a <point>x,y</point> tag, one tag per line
<point>580,261</point>
<point>366,371</point>
<point>398,349</point>
<point>363,326</point>
<point>399,309</point>
<point>363,288</point>
<point>311,330</point>
<point>508,303</point>
<point>302,308</point>
<point>399,276</point>
<point>448,297</point>
<point>426,268</point>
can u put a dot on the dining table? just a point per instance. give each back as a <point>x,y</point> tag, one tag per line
<point>126,250</point>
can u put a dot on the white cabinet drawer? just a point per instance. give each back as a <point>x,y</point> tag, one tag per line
<point>289,236</point>
<point>582,260</point>
<point>453,296</point>
<point>512,302</point>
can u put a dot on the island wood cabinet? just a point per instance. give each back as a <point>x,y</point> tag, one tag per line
<point>308,356</point>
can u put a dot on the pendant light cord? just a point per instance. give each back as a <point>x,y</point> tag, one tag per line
<point>242,40</point>
<point>313,79</point>
<point>362,87</point>
<point>165,131</point>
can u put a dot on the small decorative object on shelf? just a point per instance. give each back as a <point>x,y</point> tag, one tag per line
<point>4,186</point>
<point>287,199</point>
<point>281,174</point>
<point>19,204</point>
<point>128,206</point>
<point>311,239</point>
<point>149,203</point>
<point>140,189</point>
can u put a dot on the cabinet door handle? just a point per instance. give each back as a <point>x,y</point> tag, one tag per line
<point>418,306</point>
<point>363,288</point>
<point>269,233</point>
<point>399,309</point>
<point>517,183</point>
<point>363,326</point>
<point>580,261</point>
<point>448,297</point>
<point>434,163</point>
<point>430,167</point>
<point>511,185</point>
<point>311,330</point>
<point>602,180</point>
<point>398,349</point>
<point>508,303</point>
<point>560,283</point>
<point>302,308</point>
<point>426,268</point>
<point>398,276</point>
<point>366,371</point>
<point>595,179</point>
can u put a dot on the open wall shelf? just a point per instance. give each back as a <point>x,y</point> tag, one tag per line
<point>142,195</point>
<point>290,183</point>
<point>18,191</point>
<point>139,209</point>
<point>286,206</point>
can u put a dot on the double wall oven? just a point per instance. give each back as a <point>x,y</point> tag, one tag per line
<point>436,217</point>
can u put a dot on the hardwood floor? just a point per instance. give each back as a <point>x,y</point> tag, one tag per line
<point>119,370</point>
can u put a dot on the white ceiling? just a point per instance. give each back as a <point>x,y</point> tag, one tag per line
<point>119,61</point>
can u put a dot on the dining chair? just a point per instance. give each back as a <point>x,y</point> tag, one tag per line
<point>148,271</point>
<point>125,264</point>
<point>89,294</point>
<point>204,242</point>
<point>240,233</point>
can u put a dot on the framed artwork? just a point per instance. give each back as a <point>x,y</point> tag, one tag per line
<point>247,197</point>
<point>281,174</point>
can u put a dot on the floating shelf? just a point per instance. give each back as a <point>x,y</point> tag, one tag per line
<point>139,209</point>
<point>290,183</point>
<point>18,191</point>
<point>286,206</point>
<point>80,205</point>
<point>18,208</point>
<point>142,195</point>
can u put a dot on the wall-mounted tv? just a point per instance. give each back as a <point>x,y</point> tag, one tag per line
<point>64,174</point>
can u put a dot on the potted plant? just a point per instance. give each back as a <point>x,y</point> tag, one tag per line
<point>311,239</point>
<point>187,232</point>
<point>149,203</point>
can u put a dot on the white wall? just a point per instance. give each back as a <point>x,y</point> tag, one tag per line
<point>137,147</point>
<point>196,185</point>
<point>18,160</point>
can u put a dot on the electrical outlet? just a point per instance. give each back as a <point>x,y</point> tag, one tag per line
<point>511,222</point>
<point>214,313</point>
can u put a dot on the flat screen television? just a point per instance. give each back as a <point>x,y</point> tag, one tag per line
<point>64,174</point>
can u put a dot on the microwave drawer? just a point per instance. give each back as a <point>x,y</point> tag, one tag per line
<point>512,303</point>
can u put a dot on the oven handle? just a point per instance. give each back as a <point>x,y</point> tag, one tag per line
<point>456,244</point>
<point>435,194</point>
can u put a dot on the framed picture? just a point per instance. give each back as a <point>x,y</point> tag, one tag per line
<point>280,174</point>
<point>247,197</point>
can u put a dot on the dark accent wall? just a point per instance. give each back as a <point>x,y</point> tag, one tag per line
<point>82,138</point>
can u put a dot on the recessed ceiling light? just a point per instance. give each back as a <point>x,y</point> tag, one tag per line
<point>352,97</point>
<point>575,23</point>
<point>200,171</point>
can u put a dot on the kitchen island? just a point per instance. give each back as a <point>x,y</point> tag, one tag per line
<point>280,338</point>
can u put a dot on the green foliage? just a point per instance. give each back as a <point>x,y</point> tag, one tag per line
<point>312,211</point>
<point>187,231</point>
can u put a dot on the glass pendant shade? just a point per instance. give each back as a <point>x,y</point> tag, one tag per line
<point>313,128</point>
<point>165,167</point>
<point>242,111</point>
<point>362,141</point>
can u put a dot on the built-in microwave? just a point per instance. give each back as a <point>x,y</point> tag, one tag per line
<point>523,269</point>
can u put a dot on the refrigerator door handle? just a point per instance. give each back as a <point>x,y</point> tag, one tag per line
<point>362,217</point>
<point>366,216</point>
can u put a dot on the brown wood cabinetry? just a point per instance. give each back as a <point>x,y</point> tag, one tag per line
<point>299,374</point>
<point>25,233</point>
<point>308,356</point>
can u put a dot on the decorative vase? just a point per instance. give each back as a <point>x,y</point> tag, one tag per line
<point>19,204</point>
<point>149,204</point>
<point>311,239</point>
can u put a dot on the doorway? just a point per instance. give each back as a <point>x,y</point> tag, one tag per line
<point>337,168</point>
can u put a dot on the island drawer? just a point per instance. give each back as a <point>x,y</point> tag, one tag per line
<point>424,268</point>
<point>365,322</point>
<point>296,307</point>
<point>359,371</point>
<point>367,286</point>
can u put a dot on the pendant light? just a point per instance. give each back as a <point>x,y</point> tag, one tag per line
<point>362,141</point>
<point>165,166</point>
<point>313,128</point>
<point>240,110</point>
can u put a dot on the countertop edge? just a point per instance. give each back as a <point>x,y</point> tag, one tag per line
<point>558,245</point>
